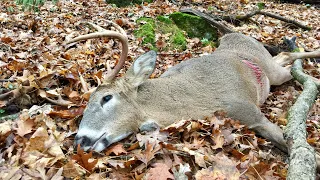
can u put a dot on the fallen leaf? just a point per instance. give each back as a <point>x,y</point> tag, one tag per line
<point>24,126</point>
<point>181,174</point>
<point>116,149</point>
<point>159,171</point>
<point>224,168</point>
<point>83,159</point>
<point>149,153</point>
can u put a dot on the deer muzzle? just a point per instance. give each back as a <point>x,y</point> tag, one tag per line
<point>98,144</point>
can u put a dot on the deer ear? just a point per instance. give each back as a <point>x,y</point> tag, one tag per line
<point>142,68</point>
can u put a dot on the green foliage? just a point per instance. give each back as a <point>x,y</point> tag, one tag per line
<point>261,5</point>
<point>179,41</point>
<point>32,5</point>
<point>123,3</point>
<point>29,5</point>
<point>166,26</point>
<point>10,9</point>
<point>165,19</point>
<point>172,27</point>
<point>146,31</point>
<point>194,26</point>
<point>163,25</point>
<point>204,41</point>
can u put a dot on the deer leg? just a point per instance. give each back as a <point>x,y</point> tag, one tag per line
<point>278,74</point>
<point>249,114</point>
<point>282,58</point>
<point>285,57</point>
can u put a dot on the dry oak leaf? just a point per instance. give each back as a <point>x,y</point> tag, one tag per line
<point>24,127</point>
<point>116,149</point>
<point>160,171</point>
<point>199,157</point>
<point>37,140</point>
<point>153,137</point>
<point>83,159</point>
<point>181,174</point>
<point>224,168</point>
<point>218,140</point>
<point>70,170</point>
<point>149,153</point>
<point>5,129</point>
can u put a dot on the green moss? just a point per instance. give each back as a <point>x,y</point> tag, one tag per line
<point>177,38</point>
<point>180,40</point>
<point>194,26</point>
<point>163,25</point>
<point>146,31</point>
<point>122,3</point>
<point>165,19</point>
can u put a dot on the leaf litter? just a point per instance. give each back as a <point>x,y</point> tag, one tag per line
<point>36,64</point>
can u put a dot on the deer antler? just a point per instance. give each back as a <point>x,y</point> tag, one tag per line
<point>106,33</point>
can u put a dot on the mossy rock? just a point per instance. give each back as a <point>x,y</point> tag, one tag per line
<point>148,27</point>
<point>174,27</point>
<point>123,3</point>
<point>177,40</point>
<point>195,26</point>
<point>146,31</point>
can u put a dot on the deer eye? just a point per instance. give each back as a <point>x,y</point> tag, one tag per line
<point>106,99</point>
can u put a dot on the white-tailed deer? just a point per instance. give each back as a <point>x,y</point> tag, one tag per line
<point>235,78</point>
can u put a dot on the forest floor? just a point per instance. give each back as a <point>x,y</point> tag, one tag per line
<point>36,136</point>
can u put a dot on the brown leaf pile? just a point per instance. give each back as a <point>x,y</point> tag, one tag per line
<point>36,69</point>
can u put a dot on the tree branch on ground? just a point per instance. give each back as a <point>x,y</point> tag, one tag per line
<point>249,15</point>
<point>302,161</point>
<point>233,19</point>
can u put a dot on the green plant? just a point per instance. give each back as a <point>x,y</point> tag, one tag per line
<point>10,9</point>
<point>32,5</point>
<point>261,5</point>
<point>146,31</point>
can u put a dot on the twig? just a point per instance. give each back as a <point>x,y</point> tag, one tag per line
<point>83,82</point>
<point>7,80</point>
<point>285,20</point>
<point>257,172</point>
<point>247,16</point>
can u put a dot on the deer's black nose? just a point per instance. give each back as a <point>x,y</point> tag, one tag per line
<point>84,141</point>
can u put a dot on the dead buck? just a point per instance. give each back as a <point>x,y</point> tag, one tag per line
<point>235,78</point>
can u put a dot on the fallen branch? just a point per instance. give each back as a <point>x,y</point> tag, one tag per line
<point>238,18</point>
<point>247,16</point>
<point>302,159</point>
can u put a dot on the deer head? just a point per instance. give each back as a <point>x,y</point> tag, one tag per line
<point>105,119</point>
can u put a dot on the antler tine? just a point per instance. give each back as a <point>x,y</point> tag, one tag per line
<point>113,34</point>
